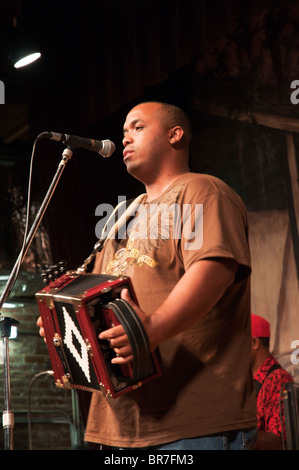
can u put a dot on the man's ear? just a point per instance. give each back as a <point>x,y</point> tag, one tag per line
<point>175,134</point>
<point>255,343</point>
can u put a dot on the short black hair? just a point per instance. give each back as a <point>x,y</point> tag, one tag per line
<point>265,340</point>
<point>175,116</point>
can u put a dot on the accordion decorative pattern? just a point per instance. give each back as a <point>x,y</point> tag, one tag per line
<point>75,308</point>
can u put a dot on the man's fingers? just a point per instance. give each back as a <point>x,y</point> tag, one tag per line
<point>112,332</point>
<point>124,351</point>
<point>125,295</point>
<point>119,341</point>
<point>122,359</point>
<point>42,333</point>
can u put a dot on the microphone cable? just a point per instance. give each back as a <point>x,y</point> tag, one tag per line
<point>45,372</point>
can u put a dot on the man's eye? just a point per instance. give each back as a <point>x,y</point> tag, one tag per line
<point>138,128</point>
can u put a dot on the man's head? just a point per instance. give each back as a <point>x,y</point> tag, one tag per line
<point>156,139</point>
<point>260,339</point>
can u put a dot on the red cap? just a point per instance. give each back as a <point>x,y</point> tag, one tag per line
<point>260,327</point>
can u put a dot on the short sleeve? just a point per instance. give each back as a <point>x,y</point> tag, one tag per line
<point>215,226</point>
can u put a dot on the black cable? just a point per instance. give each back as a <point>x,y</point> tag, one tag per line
<point>49,372</point>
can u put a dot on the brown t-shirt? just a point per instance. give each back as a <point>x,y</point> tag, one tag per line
<point>206,384</point>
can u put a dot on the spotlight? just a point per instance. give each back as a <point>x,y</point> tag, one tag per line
<point>24,55</point>
<point>28,59</point>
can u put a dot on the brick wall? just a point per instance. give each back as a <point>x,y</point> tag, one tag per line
<point>29,357</point>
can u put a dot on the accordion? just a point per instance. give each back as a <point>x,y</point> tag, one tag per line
<point>75,308</point>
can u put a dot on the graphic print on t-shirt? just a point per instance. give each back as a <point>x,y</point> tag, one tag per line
<point>152,225</point>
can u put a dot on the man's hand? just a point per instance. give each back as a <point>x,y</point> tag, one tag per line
<point>39,323</point>
<point>117,337</point>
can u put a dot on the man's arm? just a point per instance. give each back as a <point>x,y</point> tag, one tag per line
<point>199,289</point>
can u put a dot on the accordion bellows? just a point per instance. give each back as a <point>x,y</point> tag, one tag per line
<point>75,308</point>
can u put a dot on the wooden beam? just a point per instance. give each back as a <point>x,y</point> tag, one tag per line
<point>282,123</point>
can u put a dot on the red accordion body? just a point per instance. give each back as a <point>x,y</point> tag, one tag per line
<point>74,309</point>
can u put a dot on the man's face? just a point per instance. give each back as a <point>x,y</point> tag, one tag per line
<point>145,140</point>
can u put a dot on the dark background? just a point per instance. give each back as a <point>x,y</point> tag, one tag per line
<point>228,63</point>
<point>99,58</point>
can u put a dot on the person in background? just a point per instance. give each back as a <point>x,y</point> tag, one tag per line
<point>269,378</point>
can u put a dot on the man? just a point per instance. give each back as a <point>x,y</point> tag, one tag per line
<point>269,379</point>
<point>191,276</point>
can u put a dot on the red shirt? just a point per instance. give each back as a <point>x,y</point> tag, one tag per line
<point>268,409</point>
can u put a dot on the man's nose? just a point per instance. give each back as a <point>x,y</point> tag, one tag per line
<point>127,139</point>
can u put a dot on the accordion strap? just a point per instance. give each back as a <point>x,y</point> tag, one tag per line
<point>137,336</point>
<point>142,364</point>
<point>112,233</point>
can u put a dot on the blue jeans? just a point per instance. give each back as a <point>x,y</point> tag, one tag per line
<point>231,440</point>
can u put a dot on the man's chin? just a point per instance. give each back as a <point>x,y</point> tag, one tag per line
<point>135,171</point>
<point>132,168</point>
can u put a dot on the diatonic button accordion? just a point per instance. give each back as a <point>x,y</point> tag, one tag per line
<point>75,308</point>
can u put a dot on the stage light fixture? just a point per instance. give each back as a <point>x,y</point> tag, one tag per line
<point>24,55</point>
<point>26,60</point>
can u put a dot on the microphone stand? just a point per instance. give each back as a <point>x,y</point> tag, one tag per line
<point>7,418</point>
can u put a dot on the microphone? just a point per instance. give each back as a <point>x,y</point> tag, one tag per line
<point>103,147</point>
